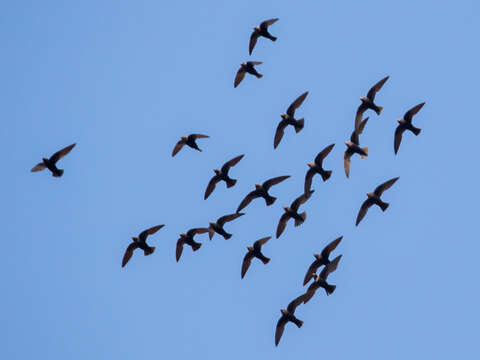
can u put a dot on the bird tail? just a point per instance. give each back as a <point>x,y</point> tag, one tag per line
<point>231,182</point>
<point>265,260</point>
<point>379,110</point>
<point>258,75</point>
<point>365,150</point>
<point>270,200</point>
<point>149,251</point>
<point>227,236</point>
<point>58,174</point>
<point>326,174</point>
<point>299,125</point>
<point>329,289</point>
<point>196,246</point>
<point>298,322</point>
<point>303,216</point>
<point>416,131</point>
<point>384,206</point>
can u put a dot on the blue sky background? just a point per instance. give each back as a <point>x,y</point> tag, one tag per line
<point>126,79</point>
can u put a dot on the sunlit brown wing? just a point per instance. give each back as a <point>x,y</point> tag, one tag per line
<point>362,125</point>
<point>397,140</point>
<point>311,270</point>
<point>373,91</point>
<point>179,249</point>
<point>330,247</point>
<point>247,199</point>
<point>330,267</point>
<point>282,223</point>
<point>199,136</point>
<point>60,154</point>
<point>409,114</point>
<point>385,186</point>
<point>255,62</point>
<point>346,163</point>
<point>253,42</point>
<point>128,253</point>
<point>279,329</point>
<point>359,114</point>
<point>323,154</point>
<point>301,200</point>
<point>308,179</point>
<point>178,147</point>
<point>196,231</point>
<point>39,167</point>
<point>296,104</point>
<point>221,221</point>
<point>211,186</point>
<point>247,260</point>
<point>265,24</point>
<point>274,181</point>
<point>294,303</point>
<point>257,245</point>
<point>239,77</point>
<point>143,235</point>
<point>279,133</point>
<point>363,210</point>
<point>231,163</point>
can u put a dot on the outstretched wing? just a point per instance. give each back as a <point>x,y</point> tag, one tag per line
<point>179,249</point>
<point>323,154</point>
<point>279,329</point>
<point>257,245</point>
<point>373,91</point>
<point>143,235</point>
<point>274,181</point>
<point>397,140</point>
<point>60,154</point>
<point>308,179</point>
<point>385,186</point>
<point>195,231</point>
<point>346,162</point>
<point>198,136</point>
<point>211,186</point>
<point>409,114</point>
<point>39,167</point>
<point>279,133</point>
<point>301,200</point>
<point>265,24</point>
<point>363,210</point>
<point>178,147</point>
<point>247,260</point>
<point>221,221</point>
<point>294,303</point>
<point>253,41</point>
<point>239,77</point>
<point>231,163</point>
<point>282,223</point>
<point>128,253</point>
<point>330,267</point>
<point>330,247</point>
<point>247,199</point>
<point>311,271</point>
<point>296,104</point>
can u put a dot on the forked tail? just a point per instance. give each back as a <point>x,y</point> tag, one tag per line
<point>299,125</point>
<point>149,251</point>
<point>384,206</point>
<point>196,246</point>
<point>58,174</point>
<point>326,174</point>
<point>298,322</point>
<point>269,200</point>
<point>231,182</point>
<point>303,216</point>
<point>329,289</point>
<point>416,131</point>
<point>379,110</point>
<point>365,150</point>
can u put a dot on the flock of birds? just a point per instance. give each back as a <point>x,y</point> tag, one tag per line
<point>262,190</point>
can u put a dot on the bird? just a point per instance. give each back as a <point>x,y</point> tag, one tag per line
<point>368,102</point>
<point>50,163</point>
<point>262,191</point>
<point>321,280</point>
<point>140,243</point>
<point>374,198</point>
<point>289,119</point>
<point>406,124</point>
<point>217,227</point>
<point>261,30</point>
<point>317,168</point>
<point>222,174</point>
<point>255,251</point>
<point>288,315</point>
<point>292,213</point>
<point>321,259</point>
<point>353,147</point>
<point>188,140</point>
<point>188,239</point>
<point>248,67</point>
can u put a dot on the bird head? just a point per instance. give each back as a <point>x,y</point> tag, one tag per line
<point>250,248</point>
<point>243,64</point>
<point>182,235</point>
<point>364,99</point>
<point>256,28</point>
<point>45,160</point>
<point>216,171</point>
<point>317,256</point>
<point>135,239</point>
<point>348,143</point>
<point>284,116</point>
<point>370,195</point>
<point>401,121</point>
<point>311,164</point>
<point>284,312</point>
<point>258,186</point>
<point>184,138</point>
<point>286,208</point>
<point>212,224</point>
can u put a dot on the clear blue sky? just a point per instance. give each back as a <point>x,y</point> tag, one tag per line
<point>124,80</point>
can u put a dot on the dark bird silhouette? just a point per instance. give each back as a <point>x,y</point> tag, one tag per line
<point>374,198</point>
<point>406,124</point>
<point>188,239</point>
<point>254,251</point>
<point>189,141</point>
<point>317,168</point>
<point>288,315</point>
<point>50,163</point>
<point>368,102</point>
<point>140,243</point>
<point>321,281</point>
<point>262,191</point>
<point>321,259</point>
<point>217,227</point>
<point>222,174</point>
<point>289,119</point>
<point>292,213</point>
<point>247,67</point>
<point>261,30</point>
<point>353,147</point>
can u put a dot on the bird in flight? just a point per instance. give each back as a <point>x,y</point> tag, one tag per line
<point>248,67</point>
<point>188,239</point>
<point>353,147</point>
<point>217,227</point>
<point>289,119</point>
<point>261,30</point>
<point>321,259</point>
<point>189,141</point>
<point>291,212</point>
<point>288,315</point>
<point>255,251</point>
<point>321,280</point>
<point>368,102</point>
<point>140,242</point>
<point>50,163</point>
<point>262,191</point>
<point>317,168</point>
<point>222,174</point>
<point>406,124</point>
